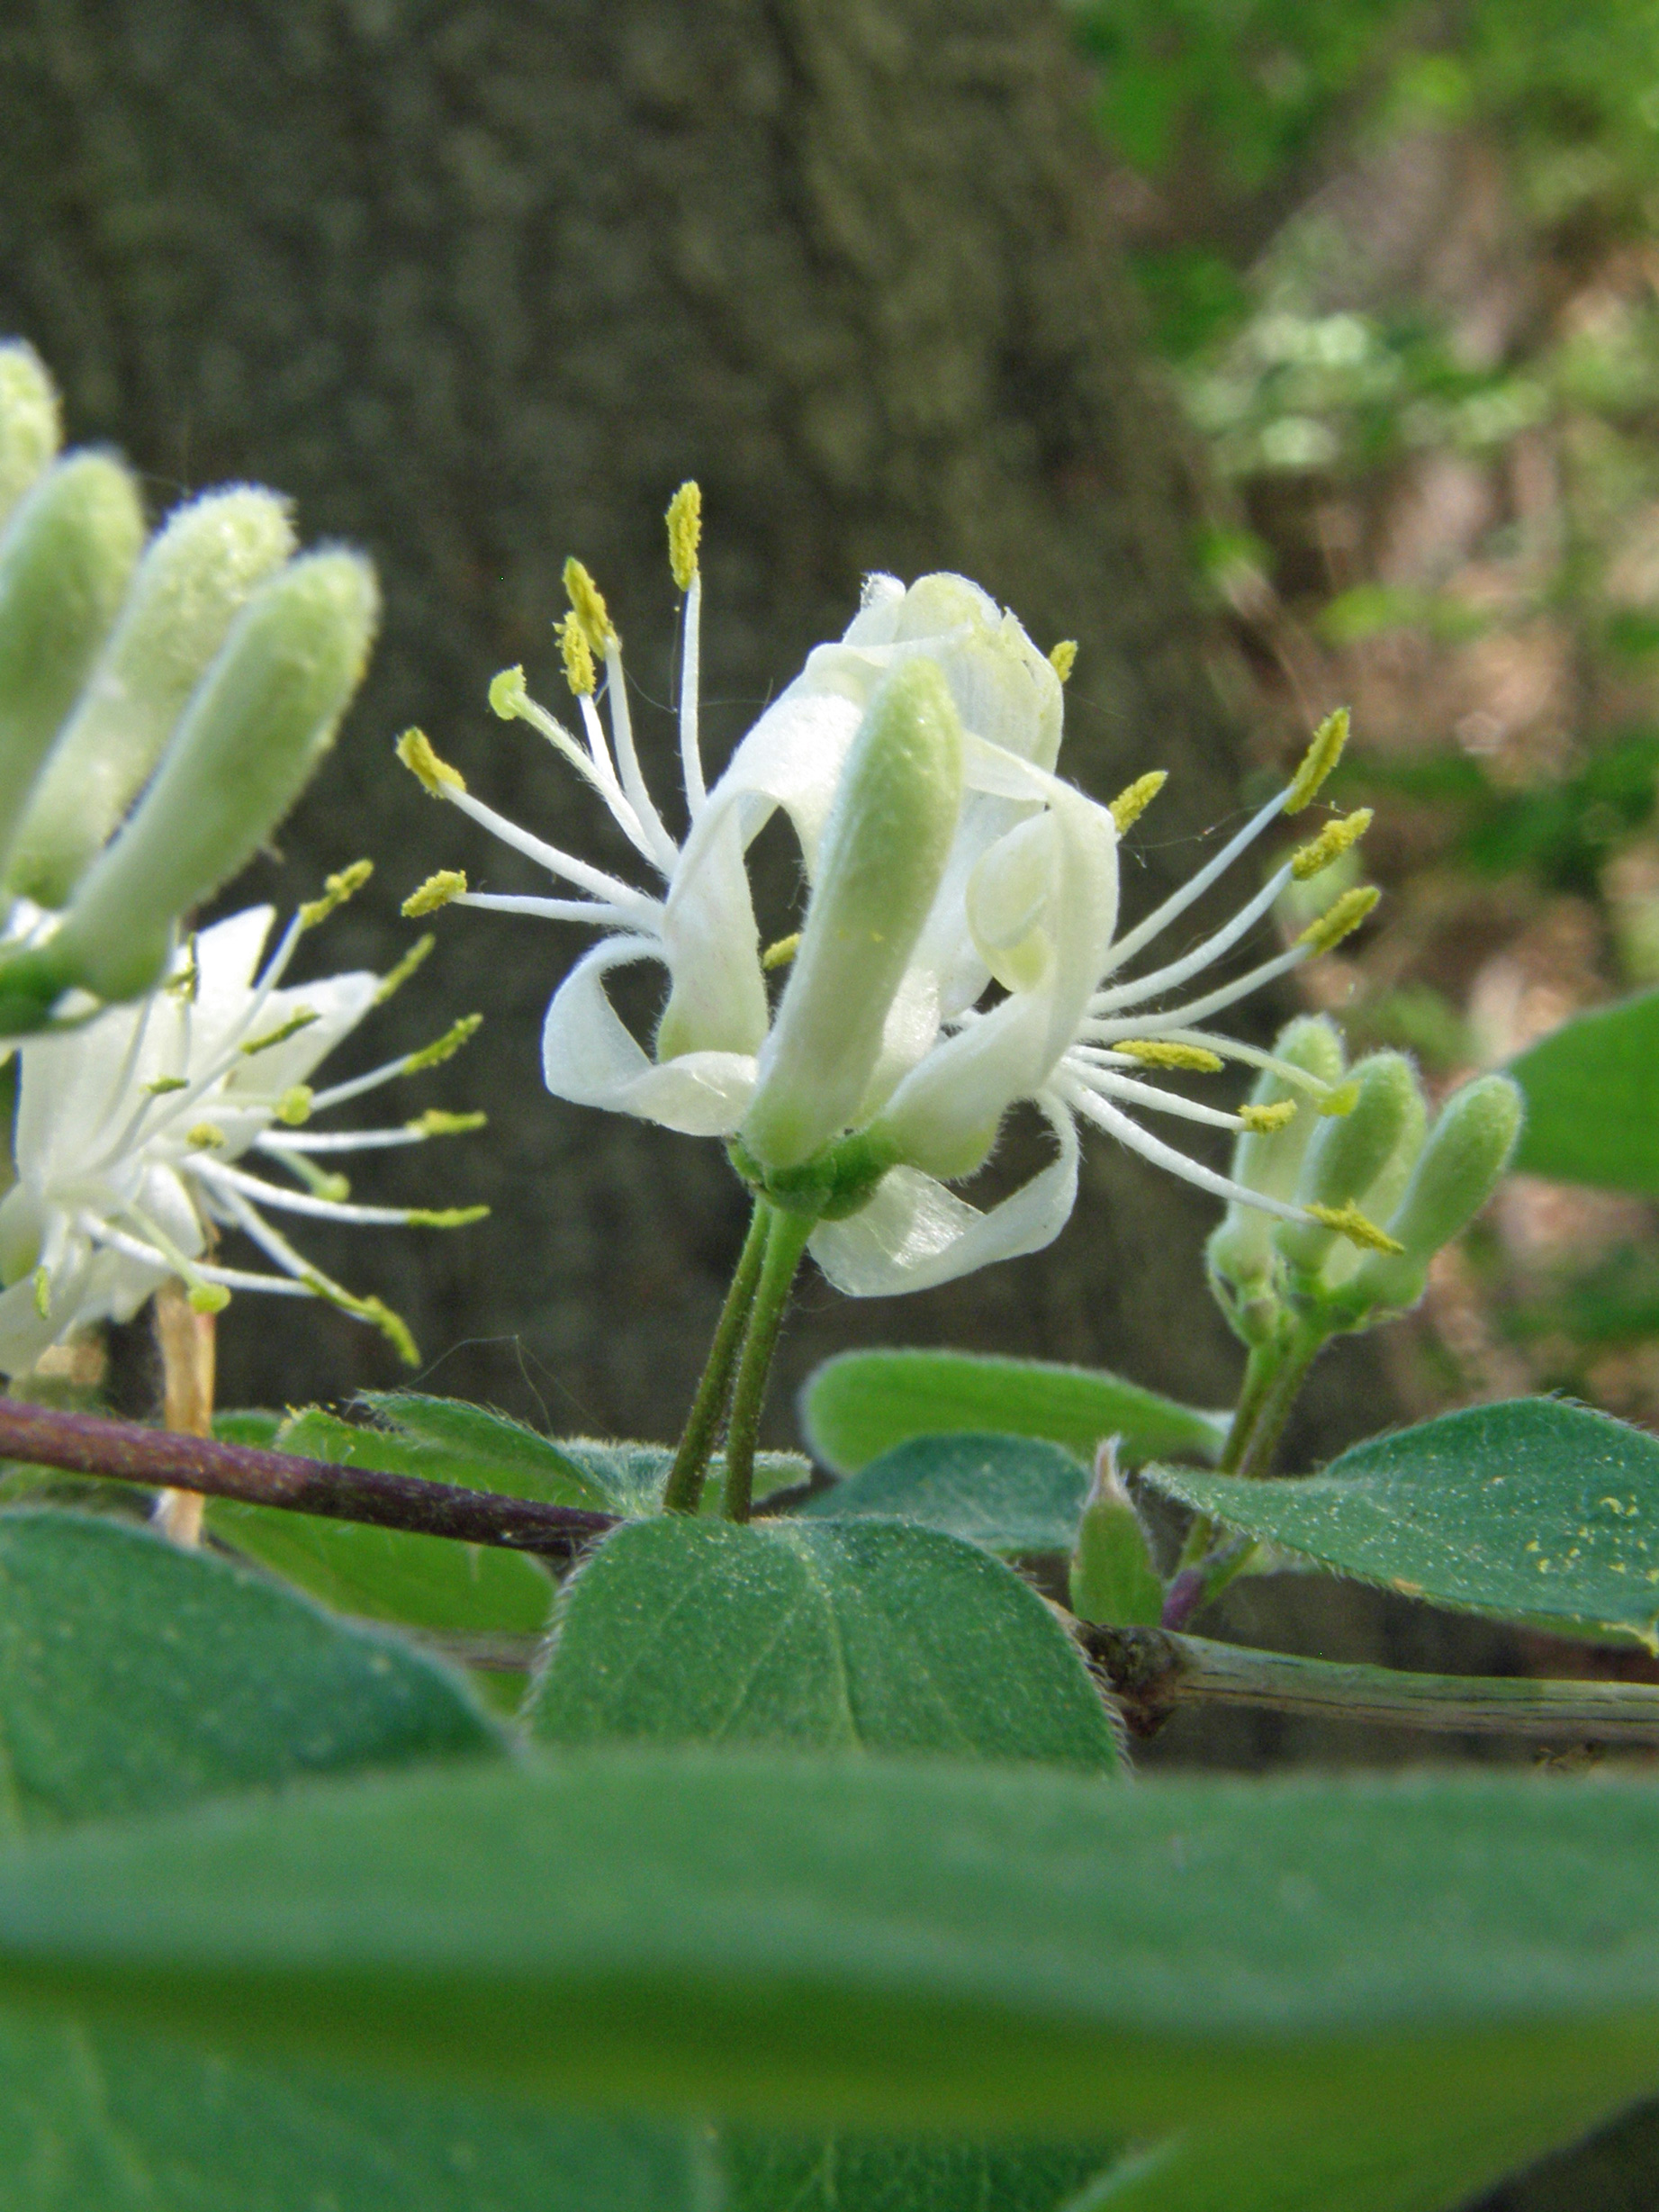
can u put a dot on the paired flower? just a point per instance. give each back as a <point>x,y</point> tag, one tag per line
<point>130,1130</point>
<point>959,954</point>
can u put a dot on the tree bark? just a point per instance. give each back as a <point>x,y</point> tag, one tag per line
<point>479,285</point>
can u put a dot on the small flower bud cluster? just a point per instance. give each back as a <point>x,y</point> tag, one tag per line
<point>1378,1167</point>
<point>161,707</point>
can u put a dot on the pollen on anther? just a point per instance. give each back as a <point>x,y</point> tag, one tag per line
<point>414,749</point>
<point>1263,1121</point>
<point>437,890</point>
<point>1162,1053</point>
<point>685,531</point>
<point>577,655</point>
<point>1332,842</point>
<point>587,606</point>
<point>1127,808</point>
<point>1341,920</point>
<point>1063,658</point>
<point>1321,757</point>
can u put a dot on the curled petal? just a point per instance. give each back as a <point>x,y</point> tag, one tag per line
<point>589,1057</point>
<point>914,1233</point>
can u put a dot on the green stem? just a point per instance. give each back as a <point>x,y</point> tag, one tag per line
<point>786,1240</point>
<point>1290,1372</point>
<point>685,1489</point>
<point>1261,1369</point>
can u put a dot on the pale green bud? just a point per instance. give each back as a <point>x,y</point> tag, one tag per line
<point>883,855</point>
<point>1459,1167</point>
<point>30,425</point>
<point>65,560</point>
<point>197,574</point>
<point>1349,1153</point>
<point>1241,1251</point>
<point>1113,1580</point>
<point>255,729</point>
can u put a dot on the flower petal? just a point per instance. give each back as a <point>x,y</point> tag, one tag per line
<point>589,1057</point>
<point>914,1233</point>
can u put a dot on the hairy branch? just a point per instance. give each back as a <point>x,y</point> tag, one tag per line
<point>1151,1671</point>
<point>123,1451</point>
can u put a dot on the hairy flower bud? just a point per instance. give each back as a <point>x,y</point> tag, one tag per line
<point>1347,1156</point>
<point>1113,1580</point>
<point>30,427</point>
<point>884,852</point>
<point>254,731</point>
<point>65,560</point>
<point>1240,1252</point>
<point>198,573</point>
<point>1466,1153</point>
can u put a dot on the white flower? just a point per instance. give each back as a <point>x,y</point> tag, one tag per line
<point>1026,900</point>
<point>129,1131</point>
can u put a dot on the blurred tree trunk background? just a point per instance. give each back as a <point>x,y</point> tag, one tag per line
<point>479,285</point>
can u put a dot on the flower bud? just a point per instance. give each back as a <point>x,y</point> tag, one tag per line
<point>1241,1251</point>
<point>30,427</point>
<point>189,587</point>
<point>883,855</point>
<point>1113,1579</point>
<point>1459,1167</point>
<point>255,729</point>
<point>1349,1154</point>
<point>65,560</point>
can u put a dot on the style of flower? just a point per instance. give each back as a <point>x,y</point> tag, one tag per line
<point>1025,899</point>
<point>129,1133</point>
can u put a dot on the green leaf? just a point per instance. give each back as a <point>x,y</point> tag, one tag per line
<point>446,1440</point>
<point>859,1404</point>
<point>1593,1100</point>
<point>841,1634</point>
<point>1012,1494</point>
<point>422,1582</point>
<point>905,1945</point>
<point>863,2173</point>
<point>132,1674</point>
<point>634,1477</point>
<point>1532,1511</point>
<point>249,1425</point>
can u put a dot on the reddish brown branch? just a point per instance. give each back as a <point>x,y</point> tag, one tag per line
<point>123,1451</point>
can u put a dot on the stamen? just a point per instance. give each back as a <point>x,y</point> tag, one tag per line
<point>1349,1221</point>
<point>437,891</point>
<point>781,954</point>
<point>431,1055</point>
<point>1107,1083</point>
<point>163,1084</point>
<point>685,531</point>
<point>395,978</point>
<point>1263,1121</point>
<point>414,749</point>
<point>557,863</point>
<point>577,654</point>
<point>1178,901</point>
<point>336,890</point>
<point>1332,842</point>
<point>1160,979</point>
<point>205,1137</point>
<point>446,1047</point>
<point>690,679</point>
<point>303,1017</point>
<point>666,852</point>
<point>1341,921</point>
<point>1321,757</point>
<point>1127,808</point>
<point>1099,1110</point>
<point>593,911</point>
<point>589,607</point>
<point>1159,1052</point>
<point>222,1177</point>
<point>1063,658</point>
<point>277,1247</point>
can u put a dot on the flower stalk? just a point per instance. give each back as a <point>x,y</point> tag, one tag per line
<point>683,1491</point>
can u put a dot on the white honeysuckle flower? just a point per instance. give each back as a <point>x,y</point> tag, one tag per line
<point>129,1131</point>
<point>1026,902</point>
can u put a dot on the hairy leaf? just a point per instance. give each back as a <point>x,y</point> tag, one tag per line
<point>1012,1494</point>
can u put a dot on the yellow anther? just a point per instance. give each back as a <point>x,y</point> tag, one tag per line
<point>415,750</point>
<point>436,1122</point>
<point>1347,1221</point>
<point>435,892</point>
<point>1263,1120</point>
<point>163,1084</point>
<point>589,608</point>
<point>397,977</point>
<point>42,1292</point>
<point>508,692</point>
<point>443,1048</point>
<point>1321,757</point>
<point>1341,920</point>
<point>336,891</point>
<point>208,1297</point>
<point>1332,842</point>
<point>205,1137</point>
<point>391,1326</point>
<point>300,1018</point>
<point>781,954</point>
<point>1340,1099</point>
<point>444,1218</point>
<point>578,656</point>
<point>1127,808</point>
<point>1063,657</point>
<point>1160,1053</point>
<point>685,531</point>
<point>293,1108</point>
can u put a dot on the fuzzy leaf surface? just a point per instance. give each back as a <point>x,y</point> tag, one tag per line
<point>1012,1494</point>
